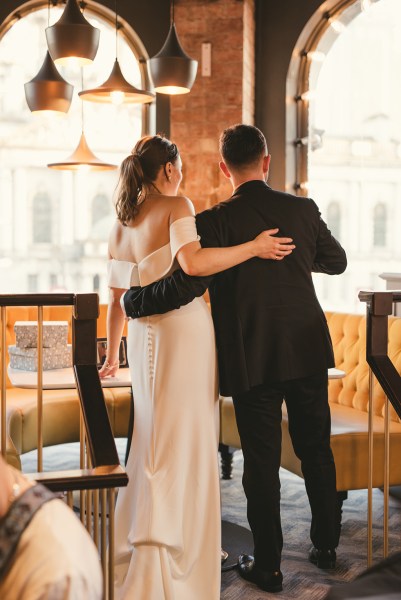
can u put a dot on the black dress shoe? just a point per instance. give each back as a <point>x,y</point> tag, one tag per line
<point>269,581</point>
<point>324,559</point>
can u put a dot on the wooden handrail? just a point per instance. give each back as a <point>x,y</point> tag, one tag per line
<point>37,299</point>
<point>82,479</point>
<point>379,307</point>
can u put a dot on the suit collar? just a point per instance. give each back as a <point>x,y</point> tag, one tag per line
<point>248,186</point>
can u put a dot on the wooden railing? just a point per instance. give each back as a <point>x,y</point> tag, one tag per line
<point>379,306</point>
<point>100,473</point>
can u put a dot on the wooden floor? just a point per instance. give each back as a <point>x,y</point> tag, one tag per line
<point>303,580</point>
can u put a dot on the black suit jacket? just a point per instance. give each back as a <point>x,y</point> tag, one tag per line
<point>268,322</point>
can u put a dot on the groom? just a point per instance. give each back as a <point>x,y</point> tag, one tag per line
<point>273,343</point>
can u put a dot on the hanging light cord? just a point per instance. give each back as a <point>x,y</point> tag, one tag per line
<point>82,104</point>
<point>48,14</point>
<point>115,9</point>
<point>172,11</point>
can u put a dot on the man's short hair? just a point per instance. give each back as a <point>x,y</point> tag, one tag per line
<point>242,145</point>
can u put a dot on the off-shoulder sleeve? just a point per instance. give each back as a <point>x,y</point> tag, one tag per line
<point>122,274</point>
<point>182,232</point>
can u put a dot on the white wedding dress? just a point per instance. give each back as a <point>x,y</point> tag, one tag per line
<point>167,542</point>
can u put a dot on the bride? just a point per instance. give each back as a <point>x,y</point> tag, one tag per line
<point>167,543</point>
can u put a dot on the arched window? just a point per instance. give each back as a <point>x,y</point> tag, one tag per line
<point>96,283</point>
<point>42,219</point>
<point>379,225</point>
<point>334,219</point>
<point>102,217</point>
<point>100,208</point>
<point>29,142</point>
<point>344,82</point>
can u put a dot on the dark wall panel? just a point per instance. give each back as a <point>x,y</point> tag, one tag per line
<point>278,26</point>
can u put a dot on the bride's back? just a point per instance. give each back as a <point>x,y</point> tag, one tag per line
<point>144,234</point>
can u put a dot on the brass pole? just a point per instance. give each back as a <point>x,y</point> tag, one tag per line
<point>40,389</point>
<point>89,511</point>
<point>103,533</point>
<point>111,543</point>
<point>370,468</point>
<point>81,465</point>
<point>3,379</point>
<point>386,487</point>
<point>96,517</point>
<point>70,499</point>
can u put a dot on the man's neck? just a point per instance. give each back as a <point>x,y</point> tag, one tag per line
<point>237,180</point>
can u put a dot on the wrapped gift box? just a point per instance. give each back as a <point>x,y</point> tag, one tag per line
<point>55,334</point>
<point>26,359</point>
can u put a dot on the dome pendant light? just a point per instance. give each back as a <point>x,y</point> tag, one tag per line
<point>116,88</point>
<point>72,38</point>
<point>82,159</point>
<point>171,69</point>
<point>48,91</point>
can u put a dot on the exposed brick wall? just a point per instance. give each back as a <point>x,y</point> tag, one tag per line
<point>248,75</point>
<point>215,102</point>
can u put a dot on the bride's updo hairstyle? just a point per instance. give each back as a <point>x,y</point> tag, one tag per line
<point>139,170</point>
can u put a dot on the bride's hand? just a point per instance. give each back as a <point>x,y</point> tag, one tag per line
<point>108,369</point>
<point>276,248</point>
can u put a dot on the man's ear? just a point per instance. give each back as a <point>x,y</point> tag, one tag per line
<point>266,164</point>
<point>224,169</point>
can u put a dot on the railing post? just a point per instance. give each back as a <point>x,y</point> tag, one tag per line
<point>99,435</point>
<point>379,306</point>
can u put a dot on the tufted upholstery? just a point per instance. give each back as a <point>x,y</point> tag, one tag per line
<point>348,399</point>
<point>61,407</point>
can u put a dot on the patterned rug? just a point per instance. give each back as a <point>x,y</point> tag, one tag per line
<point>303,580</point>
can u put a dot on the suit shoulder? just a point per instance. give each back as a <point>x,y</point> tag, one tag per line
<point>286,196</point>
<point>300,202</point>
<point>213,213</point>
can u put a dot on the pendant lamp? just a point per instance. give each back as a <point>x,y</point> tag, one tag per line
<point>171,69</point>
<point>82,159</point>
<point>48,91</point>
<point>116,88</point>
<point>72,38</point>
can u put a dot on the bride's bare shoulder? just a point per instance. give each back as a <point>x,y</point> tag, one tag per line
<point>181,206</point>
<point>116,233</point>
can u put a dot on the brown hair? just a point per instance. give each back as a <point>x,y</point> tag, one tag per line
<point>139,170</point>
<point>242,145</point>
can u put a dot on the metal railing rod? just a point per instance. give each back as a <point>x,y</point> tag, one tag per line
<point>96,517</point>
<point>3,380</point>
<point>386,483</point>
<point>40,390</point>
<point>111,544</point>
<point>370,470</point>
<point>103,533</point>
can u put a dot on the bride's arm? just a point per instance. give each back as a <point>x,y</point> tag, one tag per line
<point>115,326</point>
<point>198,261</point>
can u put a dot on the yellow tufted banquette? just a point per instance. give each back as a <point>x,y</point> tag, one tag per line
<point>60,407</point>
<point>348,399</point>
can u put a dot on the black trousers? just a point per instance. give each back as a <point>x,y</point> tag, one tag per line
<point>258,414</point>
